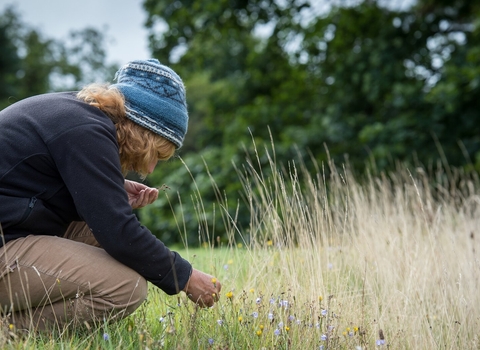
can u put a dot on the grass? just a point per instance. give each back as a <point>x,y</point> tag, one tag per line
<point>328,262</point>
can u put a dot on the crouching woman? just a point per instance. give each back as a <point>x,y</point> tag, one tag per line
<point>71,249</point>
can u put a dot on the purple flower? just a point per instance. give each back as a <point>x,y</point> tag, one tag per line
<point>106,337</point>
<point>270,316</point>
<point>255,314</point>
<point>210,341</point>
<point>276,331</point>
<point>323,337</point>
<point>380,342</point>
<point>324,312</point>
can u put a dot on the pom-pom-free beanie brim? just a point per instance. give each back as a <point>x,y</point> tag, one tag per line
<point>154,98</point>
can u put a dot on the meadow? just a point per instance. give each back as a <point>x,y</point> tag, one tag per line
<point>330,261</point>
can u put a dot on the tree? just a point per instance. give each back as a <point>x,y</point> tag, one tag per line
<point>32,64</point>
<point>368,81</point>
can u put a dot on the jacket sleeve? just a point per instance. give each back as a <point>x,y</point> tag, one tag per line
<point>87,157</point>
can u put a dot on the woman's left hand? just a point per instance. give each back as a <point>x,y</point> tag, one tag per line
<point>140,195</point>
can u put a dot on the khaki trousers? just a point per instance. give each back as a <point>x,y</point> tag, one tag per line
<point>48,281</point>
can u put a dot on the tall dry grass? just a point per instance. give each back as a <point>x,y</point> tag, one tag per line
<point>395,257</point>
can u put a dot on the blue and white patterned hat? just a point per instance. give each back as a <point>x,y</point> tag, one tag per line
<point>154,98</point>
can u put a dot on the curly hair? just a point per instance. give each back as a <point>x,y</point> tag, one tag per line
<point>138,146</point>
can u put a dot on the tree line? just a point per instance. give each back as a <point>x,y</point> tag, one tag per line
<point>361,83</point>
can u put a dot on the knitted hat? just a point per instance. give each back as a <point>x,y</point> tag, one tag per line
<point>154,98</point>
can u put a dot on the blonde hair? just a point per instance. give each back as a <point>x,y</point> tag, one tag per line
<point>138,146</point>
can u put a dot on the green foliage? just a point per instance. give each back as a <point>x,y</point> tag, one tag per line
<point>31,64</point>
<point>369,83</point>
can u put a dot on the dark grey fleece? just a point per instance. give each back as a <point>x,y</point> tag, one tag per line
<point>59,162</point>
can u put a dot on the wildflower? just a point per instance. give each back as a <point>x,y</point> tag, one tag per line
<point>280,325</point>
<point>252,290</point>
<point>285,303</point>
<point>350,334</point>
<point>355,329</point>
<point>258,301</point>
<point>239,245</point>
<point>269,243</point>
<point>299,322</point>
<point>210,341</point>
<point>259,332</point>
<point>287,328</point>
<point>320,298</point>
<point>270,316</point>
<point>229,295</point>
<point>380,341</point>
<point>324,312</point>
<point>317,325</point>
<point>106,337</point>
<point>161,319</point>
<point>220,322</point>
<point>323,337</point>
<point>225,267</point>
<point>11,326</point>
<point>214,280</point>
<point>230,262</point>
<point>291,318</point>
<point>255,314</point>
<point>276,331</point>
<point>272,301</point>
<point>240,318</point>
<point>261,327</point>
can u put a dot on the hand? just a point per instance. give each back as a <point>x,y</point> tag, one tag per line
<point>140,195</point>
<point>203,289</point>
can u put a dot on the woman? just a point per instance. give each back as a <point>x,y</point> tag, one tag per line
<point>71,249</point>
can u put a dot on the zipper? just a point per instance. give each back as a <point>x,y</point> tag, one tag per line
<point>31,204</point>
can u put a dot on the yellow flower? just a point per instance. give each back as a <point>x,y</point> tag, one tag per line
<point>252,290</point>
<point>11,326</point>
<point>230,262</point>
<point>214,280</point>
<point>355,329</point>
<point>287,328</point>
<point>229,295</point>
<point>240,318</point>
<point>269,242</point>
<point>320,298</point>
<point>259,332</point>
<point>344,334</point>
<point>261,327</point>
<point>348,329</point>
<point>239,245</point>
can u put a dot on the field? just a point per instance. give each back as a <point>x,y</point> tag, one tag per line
<point>328,262</point>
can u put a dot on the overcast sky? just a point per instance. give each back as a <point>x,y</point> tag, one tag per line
<point>123,19</point>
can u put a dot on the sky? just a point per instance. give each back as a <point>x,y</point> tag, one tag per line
<point>123,19</point>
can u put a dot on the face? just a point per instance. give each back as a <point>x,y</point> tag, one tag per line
<point>152,165</point>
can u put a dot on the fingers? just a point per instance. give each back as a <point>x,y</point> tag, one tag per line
<point>144,197</point>
<point>203,289</point>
